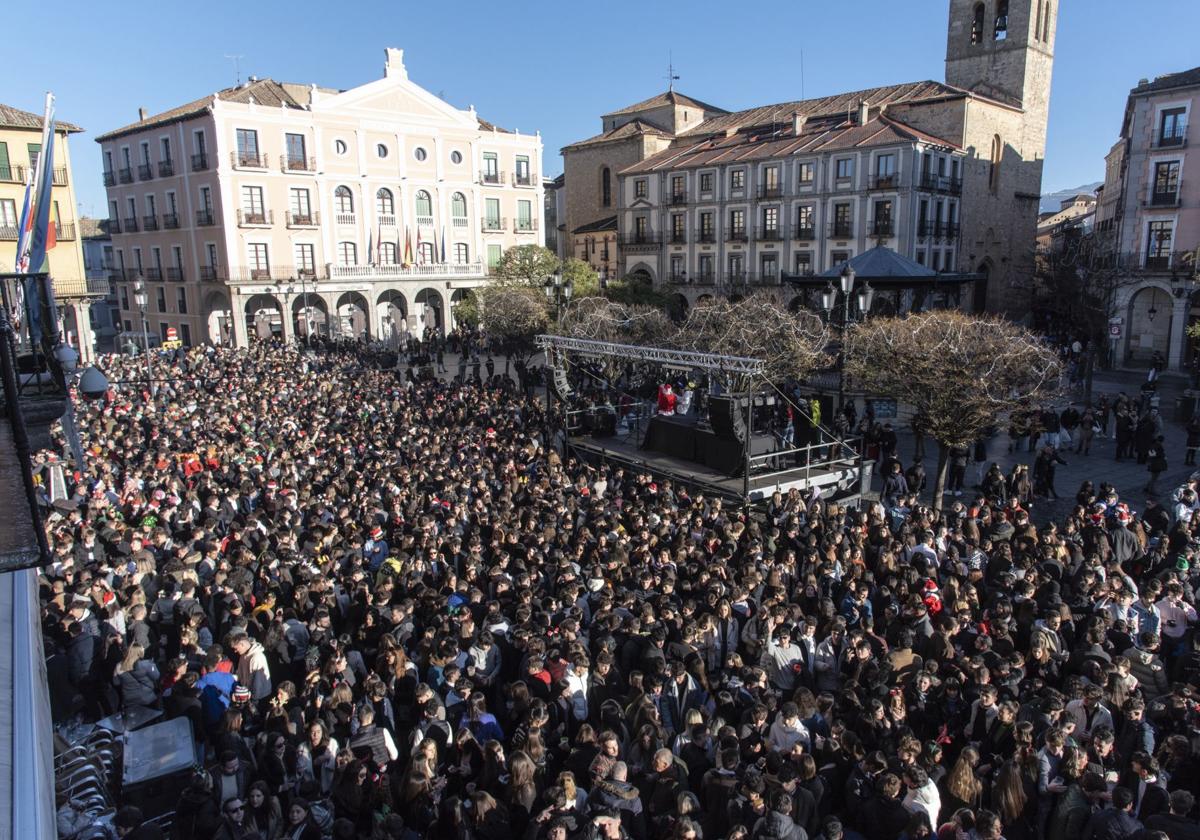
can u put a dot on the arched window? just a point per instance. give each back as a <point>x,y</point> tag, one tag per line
<point>344,200</point>
<point>347,253</point>
<point>387,253</point>
<point>606,187</point>
<point>462,253</point>
<point>1046,22</point>
<point>458,208</point>
<point>1000,32</point>
<point>994,171</point>
<point>1037,25</point>
<point>384,204</point>
<point>977,25</point>
<point>424,205</point>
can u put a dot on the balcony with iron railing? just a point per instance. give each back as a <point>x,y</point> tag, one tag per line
<point>884,182</point>
<point>883,227</point>
<point>841,230</point>
<point>1165,198</point>
<point>243,159</point>
<point>706,237</point>
<point>11,173</point>
<point>64,230</point>
<point>675,197</point>
<point>297,163</point>
<point>940,183</point>
<point>1171,138</point>
<point>166,168</point>
<point>150,222</point>
<point>175,274</point>
<point>112,225</point>
<point>523,179</point>
<point>153,274</point>
<point>804,232</point>
<point>491,224</point>
<point>525,225</point>
<point>110,178</point>
<point>486,177</point>
<point>131,224</point>
<point>145,172</point>
<point>258,218</point>
<point>677,237</point>
<point>204,217</point>
<point>645,239</point>
<point>736,234</point>
<point>170,221</point>
<point>769,233</point>
<point>447,270</point>
<point>125,175</point>
<point>770,190</point>
<point>199,162</point>
<point>303,220</point>
<point>211,273</point>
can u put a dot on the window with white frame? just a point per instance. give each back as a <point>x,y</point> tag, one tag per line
<point>347,253</point>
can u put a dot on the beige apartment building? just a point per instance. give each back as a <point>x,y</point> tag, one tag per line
<point>20,146</point>
<point>283,209</point>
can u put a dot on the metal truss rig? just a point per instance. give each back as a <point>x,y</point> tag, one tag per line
<point>683,359</point>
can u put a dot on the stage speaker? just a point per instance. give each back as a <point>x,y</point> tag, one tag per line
<point>562,388</point>
<point>727,417</point>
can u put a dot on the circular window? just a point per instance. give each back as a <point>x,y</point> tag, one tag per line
<point>456,157</point>
<point>339,146</point>
<point>419,153</point>
<point>381,150</point>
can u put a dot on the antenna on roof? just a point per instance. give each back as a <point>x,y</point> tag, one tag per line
<point>237,66</point>
<point>672,78</point>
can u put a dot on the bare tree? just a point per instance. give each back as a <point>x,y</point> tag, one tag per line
<point>960,372</point>
<point>601,319</point>
<point>791,344</point>
<point>513,314</point>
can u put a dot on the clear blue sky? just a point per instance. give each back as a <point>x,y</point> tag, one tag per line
<point>556,67</point>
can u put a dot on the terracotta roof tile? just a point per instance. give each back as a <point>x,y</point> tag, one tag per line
<point>1185,78</point>
<point>660,100</point>
<point>600,226</point>
<point>11,117</point>
<point>633,128</point>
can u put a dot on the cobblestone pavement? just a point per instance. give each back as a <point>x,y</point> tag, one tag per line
<point>1127,475</point>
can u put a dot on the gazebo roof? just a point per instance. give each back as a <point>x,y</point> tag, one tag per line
<point>880,263</point>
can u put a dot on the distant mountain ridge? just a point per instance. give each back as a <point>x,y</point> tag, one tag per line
<point>1051,202</point>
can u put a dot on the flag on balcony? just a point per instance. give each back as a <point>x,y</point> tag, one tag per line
<point>41,236</point>
<point>420,250</point>
<point>399,248</point>
<point>408,254</point>
<point>443,244</point>
<point>22,261</point>
<point>370,247</point>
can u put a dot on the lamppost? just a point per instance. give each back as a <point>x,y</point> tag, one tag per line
<point>828,302</point>
<point>139,297</point>
<point>558,292</point>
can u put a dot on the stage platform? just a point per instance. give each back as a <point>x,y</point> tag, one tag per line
<point>835,479</point>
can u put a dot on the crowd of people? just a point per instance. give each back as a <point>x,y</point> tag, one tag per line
<point>390,607</point>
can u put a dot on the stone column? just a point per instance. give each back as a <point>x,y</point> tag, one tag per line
<point>1179,315</point>
<point>237,311</point>
<point>286,317</point>
<point>83,331</point>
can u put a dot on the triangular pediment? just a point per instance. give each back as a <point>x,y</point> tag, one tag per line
<point>394,97</point>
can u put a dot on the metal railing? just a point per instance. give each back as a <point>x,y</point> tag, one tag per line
<point>884,182</point>
<point>64,230</point>
<point>940,183</point>
<point>14,174</point>
<point>125,175</point>
<point>769,233</point>
<point>145,172</point>
<point>204,217</point>
<point>303,219</point>
<point>210,273</point>
<point>170,221</point>
<point>493,223</point>
<point>131,224</point>
<point>882,227</point>
<point>261,218</point>
<point>523,180</point>
<point>297,163</point>
<point>150,222</point>
<point>153,275</point>
<point>59,176</point>
<point>804,232</point>
<point>524,226</point>
<point>827,455</point>
<point>248,160</point>
<point>175,274</point>
<point>486,177</point>
<point>110,178</point>
<point>678,237</point>
<point>706,236</point>
<point>1173,137</point>
<point>166,168</point>
<point>199,162</point>
<point>736,234</point>
<point>770,190</point>
<point>675,197</point>
<point>841,230</point>
<point>637,240</point>
<point>1164,199</point>
<point>112,225</point>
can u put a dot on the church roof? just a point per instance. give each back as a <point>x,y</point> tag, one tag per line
<point>669,97</point>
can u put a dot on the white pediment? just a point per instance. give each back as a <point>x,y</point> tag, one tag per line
<point>395,98</point>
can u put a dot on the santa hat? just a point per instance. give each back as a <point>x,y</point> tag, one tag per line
<point>376,532</point>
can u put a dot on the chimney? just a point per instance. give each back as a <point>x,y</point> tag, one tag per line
<point>864,111</point>
<point>141,114</point>
<point>393,64</point>
<point>798,121</point>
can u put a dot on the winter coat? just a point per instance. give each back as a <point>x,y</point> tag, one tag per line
<point>777,826</point>
<point>138,685</point>
<point>1149,671</point>
<point>254,673</point>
